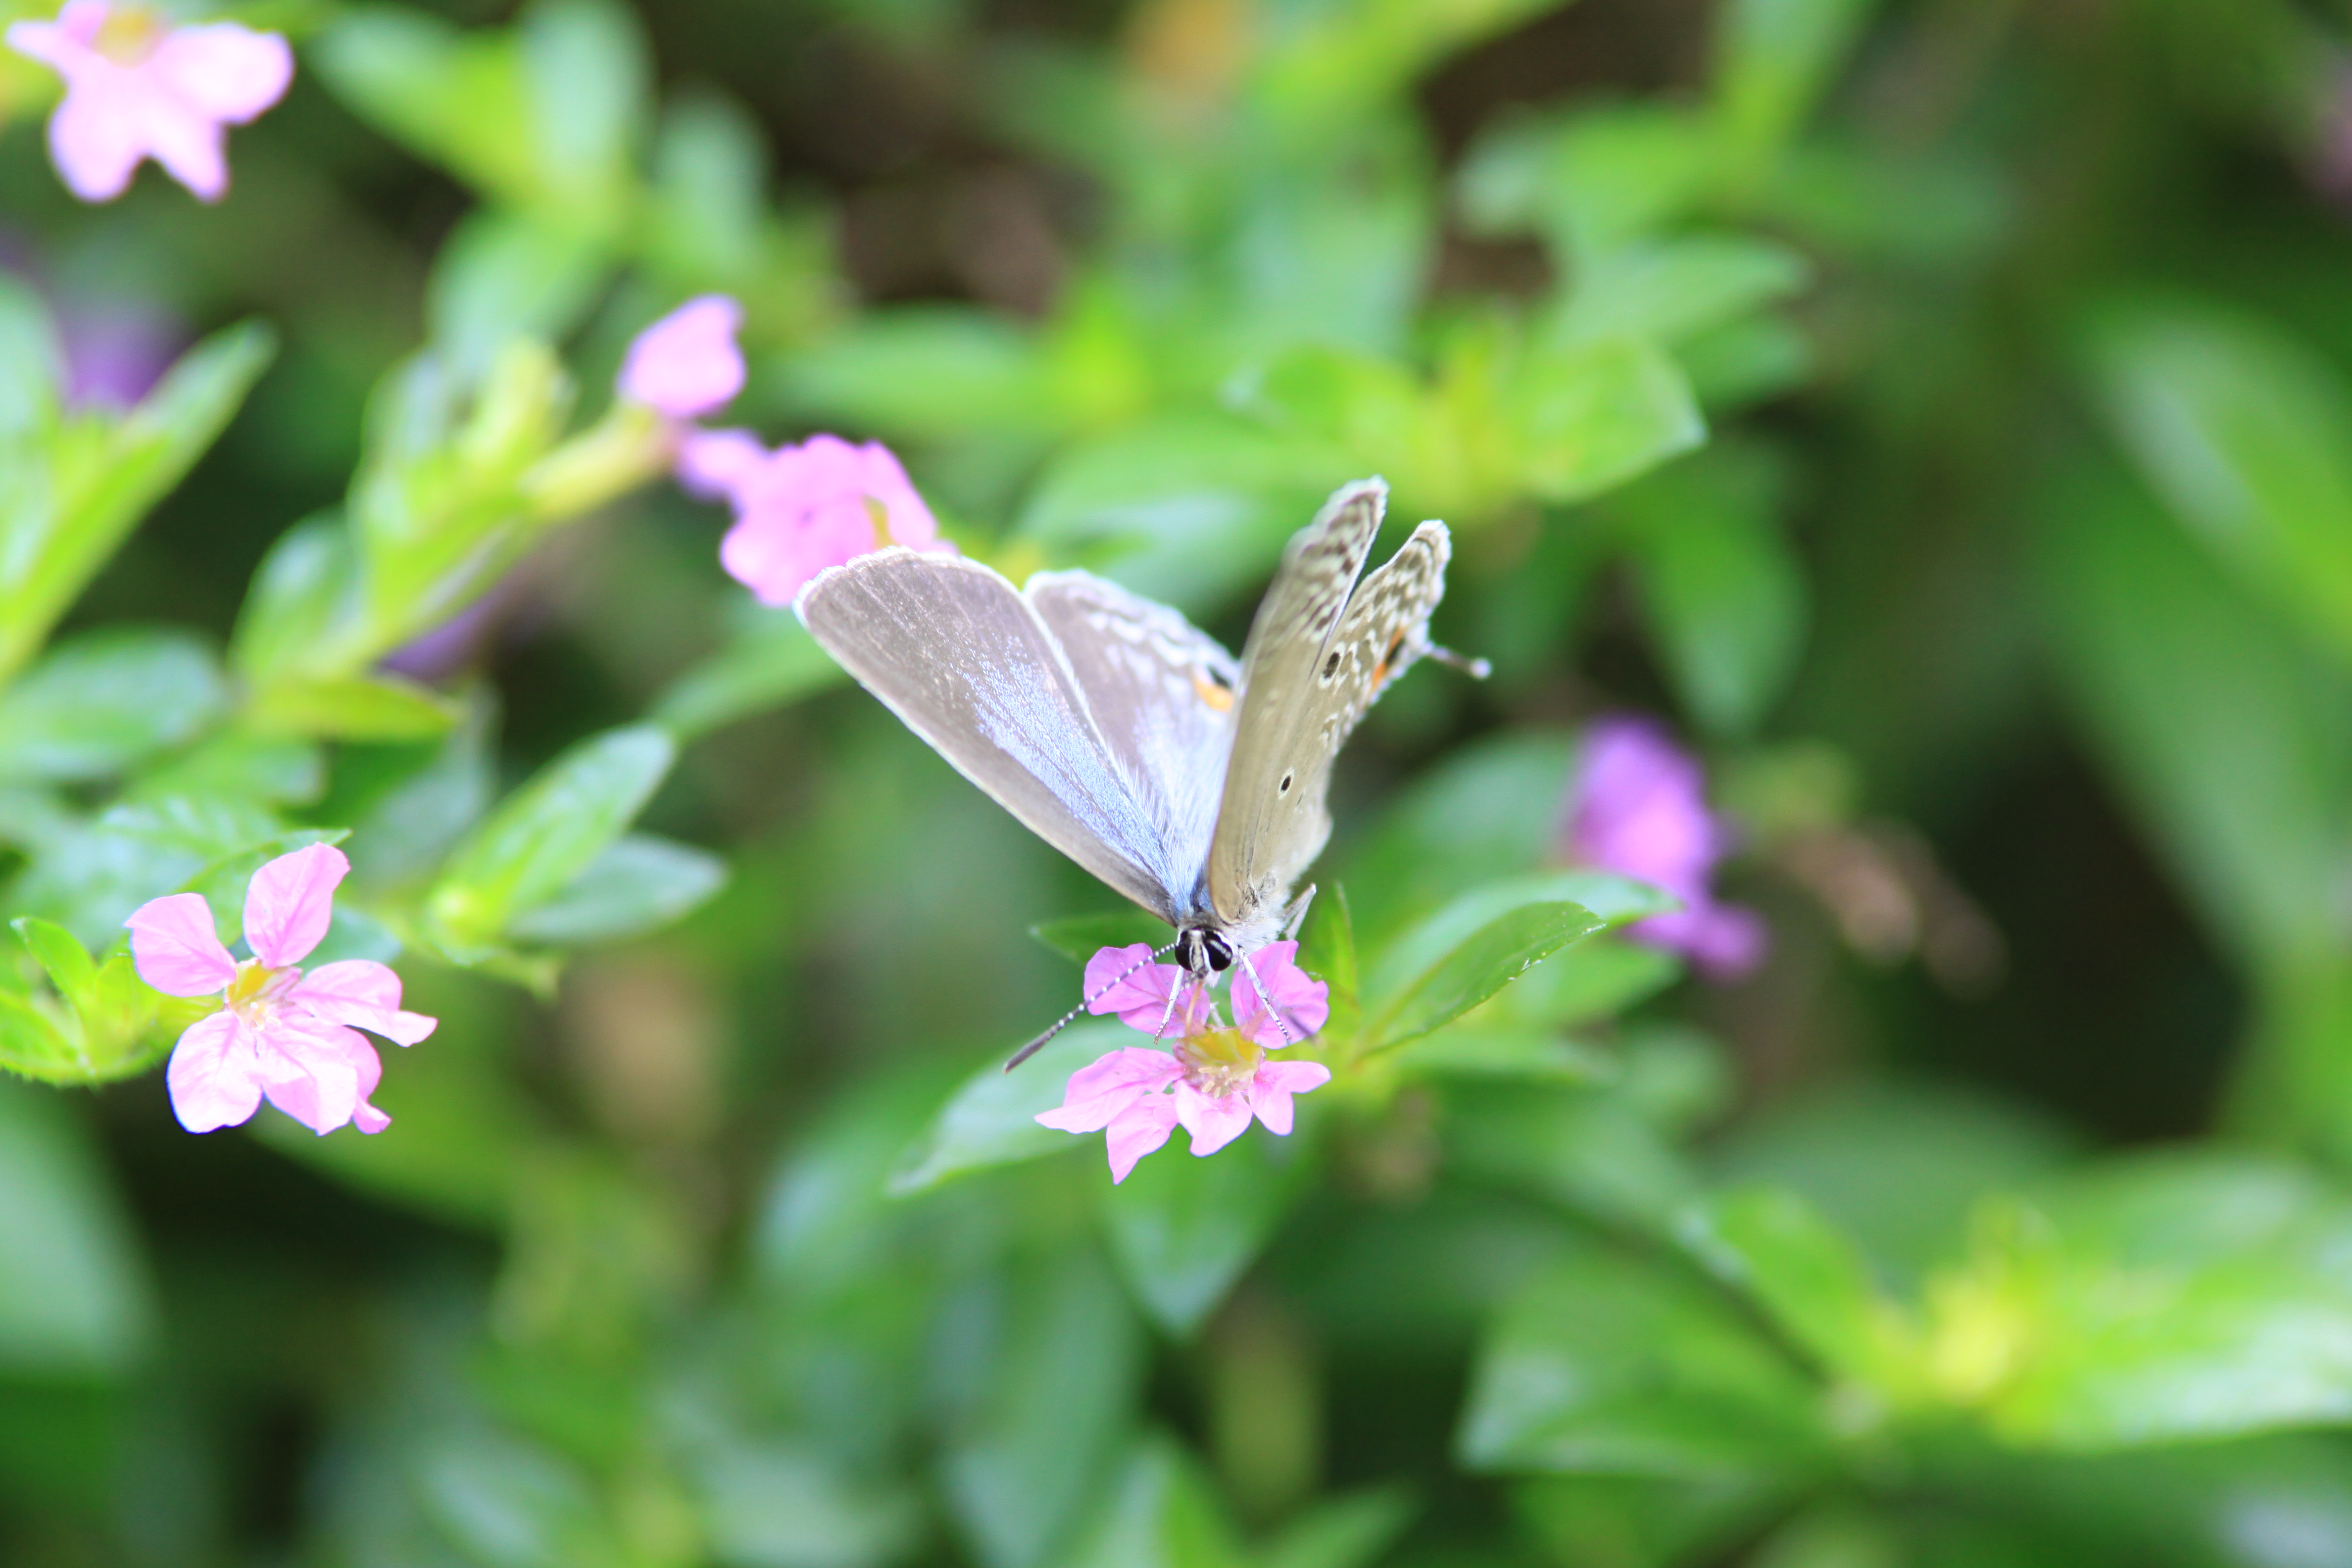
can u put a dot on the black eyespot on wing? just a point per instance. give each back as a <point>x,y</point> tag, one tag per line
<point>1283,788</point>
<point>1331,664</point>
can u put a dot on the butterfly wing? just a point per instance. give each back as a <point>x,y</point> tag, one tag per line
<point>964,661</point>
<point>1295,709</point>
<point>1162,694</point>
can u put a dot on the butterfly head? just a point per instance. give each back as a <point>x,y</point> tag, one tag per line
<point>1203,951</point>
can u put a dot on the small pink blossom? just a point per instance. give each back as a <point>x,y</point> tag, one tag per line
<point>686,364</point>
<point>799,509</point>
<point>136,88</point>
<point>1639,809</point>
<point>1215,1079</point>
<point>280,1034</point>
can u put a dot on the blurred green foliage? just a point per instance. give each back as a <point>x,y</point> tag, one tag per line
<point>1943,408</point>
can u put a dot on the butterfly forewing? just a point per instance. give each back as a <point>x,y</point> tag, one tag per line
<point>1162,693</point>
<point>957,653</point>
<point>1271,820</point>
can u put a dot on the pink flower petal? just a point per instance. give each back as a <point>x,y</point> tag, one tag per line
<point>290,901</point>
<point>1305,1003</point>
<point>316,1077</point>
<point>98,134</point>
<point>174,948</point>
<point>193,148</point>
<point>1124,980</point>
<point>1138,1130</point>
<point>1213,1124</point>
<point>775,554</point>
<point>214,1076</point>
<point>1099,1091</point>
<point>719,464</point>
<point>686,364</point>
<point>363,994</point>
<point>224,72</point>
<point>1270,1090</point>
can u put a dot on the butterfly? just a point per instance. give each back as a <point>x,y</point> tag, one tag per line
<point>1127,738</point>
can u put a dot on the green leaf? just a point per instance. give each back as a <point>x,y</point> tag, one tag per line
<point>302,586</point>
<point>544,835</point>
<point>1486,939</point>
<point>2246,434</point>
<point>1613,1366</point>
<point>990,1120</point>
<point>97,704</point>
<point>67,963</point>
<point>353,707</point>
<point>1594,979</point>
<point>1592,180</point>
<point>1723,591</point>
<point>793,1506</point>
<point>501,275</point>
<point>1774,59</point>
<point>1352,1530</point>
<point>99,477</point>
<point>1475,1051</point>
<point>1669,290</point>
<point>1159,1512</point>
<point>1594,1152</point>
<point>1489,810</point>
<point>73,1296</point>
<point>1810,1280</point>
<point>1188,509</point>
<point>2219,729</point>
<point>1053,1388</point>
<point>1896,1165</point>
<point>769,661</point>
<point>36,1044</point>
<point>30,363</point>
<point>1079,937</point>
<point>1328,953</point>
<point>1184,1229</point>
<point>925,369</point>
<point>1592,417</point>
<point>640,884</point>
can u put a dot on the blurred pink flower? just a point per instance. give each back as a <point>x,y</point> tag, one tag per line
<point>1639,809</point>
<point>278,1034</point>
<point>799,509</point>
<point>1214,1079</point>
<point>139,88</point>
<point>686,364</point>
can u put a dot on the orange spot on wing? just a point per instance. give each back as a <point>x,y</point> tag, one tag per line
<point>1381,668</point>
<point>1214,695</point>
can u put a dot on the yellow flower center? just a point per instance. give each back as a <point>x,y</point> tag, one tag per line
<point>129,35</point>
<point>1219,1062</point>
<point>253,994</point>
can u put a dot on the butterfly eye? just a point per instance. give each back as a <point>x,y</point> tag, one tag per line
<point>1220,957</point>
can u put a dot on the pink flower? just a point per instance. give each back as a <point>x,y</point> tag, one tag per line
<point>1639,809</point>
<point>136,88</point>
<point>1215,1080</point>
<point>280,1034</point>
<point>799,509</point>
<point>686,364</point>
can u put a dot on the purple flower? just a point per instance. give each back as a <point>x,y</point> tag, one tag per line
<point>799,509</point>
<point>686,364</point>
<point>1215,1079</point>
<point>1639,809</point>
<point>136,88</point>
<point>280,1034</point>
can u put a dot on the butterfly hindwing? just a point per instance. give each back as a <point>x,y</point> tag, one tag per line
<point>990,689</point>
<point>1162,694</point>
<point>1300,695</point>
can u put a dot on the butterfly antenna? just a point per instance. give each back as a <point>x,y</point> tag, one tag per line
<point>1066,1020</point>
<point>1476,669</point>
<point>1272,1006</point>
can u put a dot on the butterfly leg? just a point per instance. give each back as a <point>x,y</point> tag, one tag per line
<point>1273,1008</point>
<point>1295,916</point>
